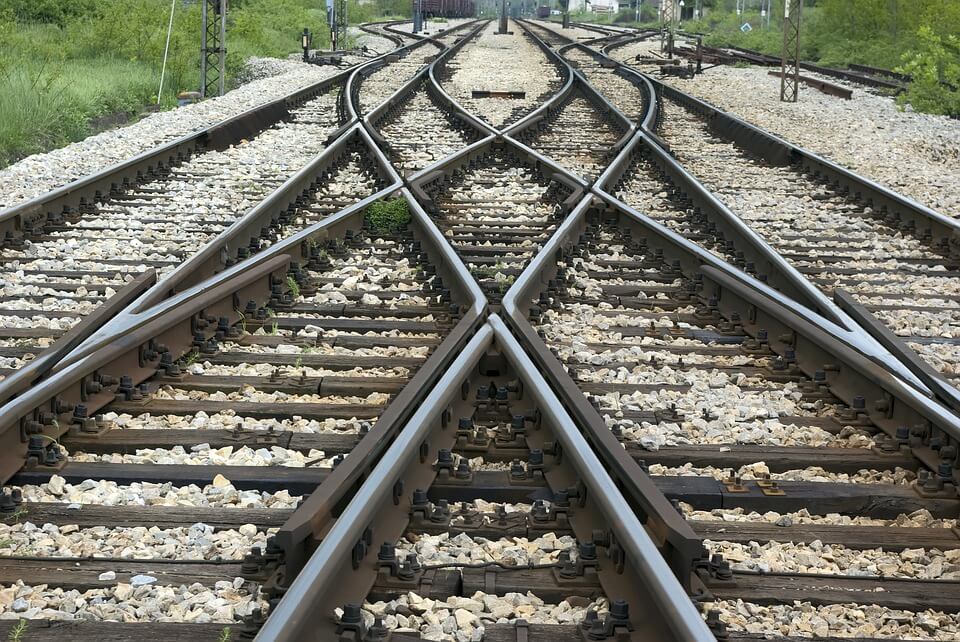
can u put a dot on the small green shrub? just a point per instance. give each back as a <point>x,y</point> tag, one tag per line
<point>16,633</point>
<point>294,287</point>
<point>386,217</point>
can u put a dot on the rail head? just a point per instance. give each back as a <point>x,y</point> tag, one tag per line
<point>328,577</point>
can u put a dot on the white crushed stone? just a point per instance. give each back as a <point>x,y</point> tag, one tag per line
<point>220,494</point>
<point>228,602</point>
<point>462,619</point>
<point>196,542</point>
<point>837,620</point>
<point>41,173</point>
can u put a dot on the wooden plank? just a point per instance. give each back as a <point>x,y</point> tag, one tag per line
<point>81,573</point>
<point>328,361</point>
<point>87,631</point>
<point>889,538</point>
<point>884,501</point>
<point>291,383</point>
<point>346,311</point>
<point>779,459</point>
<point>911,595</point>
<point>354,325</point>
<point>90,515</point>
<point>249,409</point>
<point>342,341</point>
<point>29,333</point>
<point>547,587</point>
<point>298,481</point>
<point>129,441</point>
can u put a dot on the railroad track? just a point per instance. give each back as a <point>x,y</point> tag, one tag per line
<point>496,208</point>
<point>755,450</point>
<point>69,264</point>
<point>500,78</point>
<point>465,360</point>
<point>831,237</point>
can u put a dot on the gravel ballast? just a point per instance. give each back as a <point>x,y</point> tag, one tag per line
<point>40,173</point>
<point>917,155</point>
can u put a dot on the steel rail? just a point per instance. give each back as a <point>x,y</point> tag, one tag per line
<point>369,28</point>
<point>761,307</point>
<point>219,254</point>
<point>31,374</point>
<point>294,616</point>
<point>638,79</point>
<point>680,544</point>
<point>604,107</point>
<point>311,519</point>
<point>782,275</point>
<point>666,592</point>
<point>446,98</point>
<point>821,304</point>
<point>944,231</point>
<point>23,216</point>
<point>444,168</point>
<point>778,151</point>
<point>27,215</point>
<point>566,72</point>
<point>352,88</point>
<point>133,330</point>
<point>374,116</point>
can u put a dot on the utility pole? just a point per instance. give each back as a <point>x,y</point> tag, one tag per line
<point>668,18</point>
<point>337,20</point>
<point>565,22</point>
<point>213,47</point>
<point>503,17</point>
<point>790,65</point>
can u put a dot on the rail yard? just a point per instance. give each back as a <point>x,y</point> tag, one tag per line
<point>488,335</point>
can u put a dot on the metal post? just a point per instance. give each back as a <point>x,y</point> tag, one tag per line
<point>790,65</point>
<point>341,16</point>
<point>699,54</point>
<point>566,15</point>
<point>305,40</point>
<point>503,17</point>
<point>668,17</point>
<point>213,47</point>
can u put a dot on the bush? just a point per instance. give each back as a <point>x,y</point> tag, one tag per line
<point>934,65</point>
<point>65,63</point>
<point>386,217</point>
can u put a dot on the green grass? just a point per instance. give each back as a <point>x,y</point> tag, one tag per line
<point>386,217</point>
<point>47,105</point>
<point>63,64</point>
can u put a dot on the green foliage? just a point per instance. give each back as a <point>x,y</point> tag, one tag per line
<point>47,104</point>
<point>934,65</point>
<point>63,64</point>
<point>294,287</point>
<point>225,635</point>
<point>918,37</point>
<point>55,12</point>
<point>386,217</point>
<point>16,633</point>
